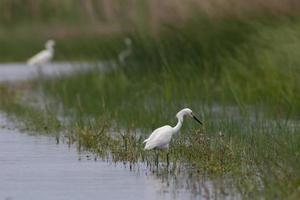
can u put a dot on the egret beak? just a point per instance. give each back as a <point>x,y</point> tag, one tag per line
<point>195,118</point>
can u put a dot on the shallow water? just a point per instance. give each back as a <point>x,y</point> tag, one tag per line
<point>22,71</point>
<point>35,167</point>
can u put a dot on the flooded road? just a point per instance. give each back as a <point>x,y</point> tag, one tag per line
<point>35,167</point>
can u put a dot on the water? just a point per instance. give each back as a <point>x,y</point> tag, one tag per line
<point>21,71</point>
<point>35,167</point>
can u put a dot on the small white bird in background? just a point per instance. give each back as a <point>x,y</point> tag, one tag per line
<point>161,137</point>
<point>44,56</point>
<point>123,55</point>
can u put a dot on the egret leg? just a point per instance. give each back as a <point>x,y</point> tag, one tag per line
<point>156,160</point>
<point>168,159</point>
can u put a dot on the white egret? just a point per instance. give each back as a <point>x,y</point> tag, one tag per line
<point>123,55</point>
<point>161,137</point>
<point>43,56</point>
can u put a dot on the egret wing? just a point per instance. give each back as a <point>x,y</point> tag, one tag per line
<point>159,138</point>
<point>156,132</point>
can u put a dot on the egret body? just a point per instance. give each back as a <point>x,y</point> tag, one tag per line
<point>123,55</point>
<point>161,137</point>
<point>44,56</point>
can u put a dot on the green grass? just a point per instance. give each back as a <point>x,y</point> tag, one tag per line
<point>240,76</point>
<point>232,62</point>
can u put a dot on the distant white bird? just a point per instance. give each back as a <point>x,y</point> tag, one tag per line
<point>161,137</point>
<point>44,56</point>
<point>123,55</point>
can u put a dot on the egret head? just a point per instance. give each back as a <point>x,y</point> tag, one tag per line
<point>188,112</point>
<point>50,44</point>
<point>127,41</point>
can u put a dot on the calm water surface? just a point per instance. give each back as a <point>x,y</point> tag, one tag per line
<point>11,72</point>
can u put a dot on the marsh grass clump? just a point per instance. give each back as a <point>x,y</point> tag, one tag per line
<point>210,153</point>
<point>202,152</point>
<point>118,146</point>
<point>131,149</point>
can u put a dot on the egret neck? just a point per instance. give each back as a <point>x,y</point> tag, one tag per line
<point>50,49</point>
<point>179,123</point>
